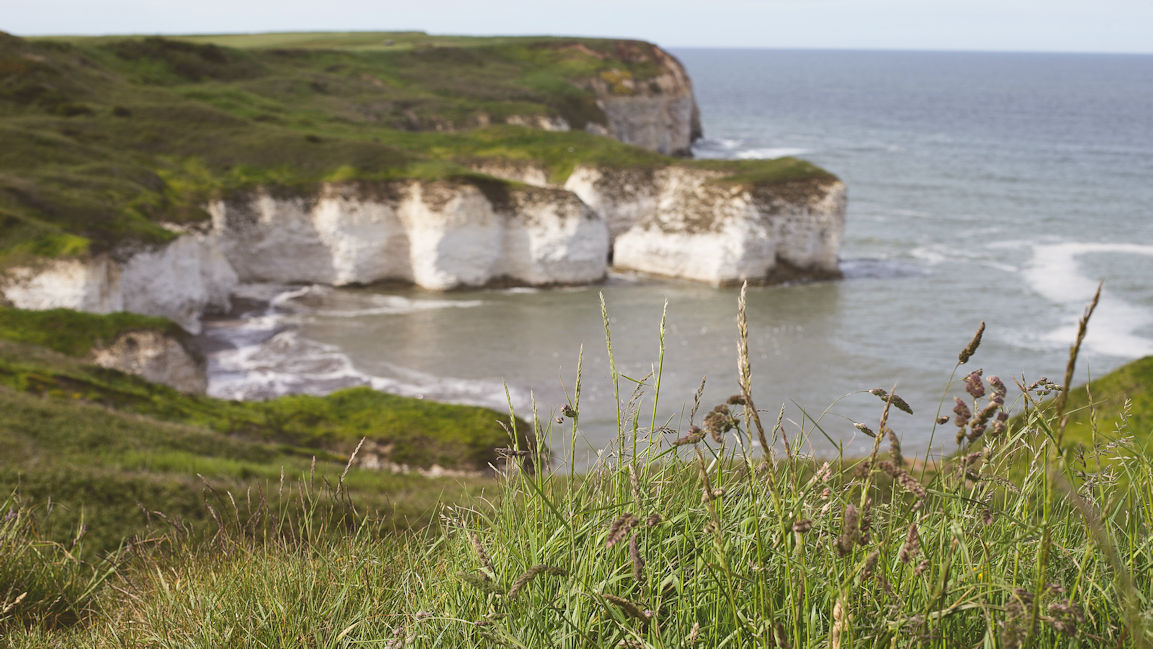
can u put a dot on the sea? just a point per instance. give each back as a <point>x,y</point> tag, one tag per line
<point>983,187</point>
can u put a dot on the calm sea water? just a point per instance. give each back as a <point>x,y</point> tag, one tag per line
<point>995,187</point>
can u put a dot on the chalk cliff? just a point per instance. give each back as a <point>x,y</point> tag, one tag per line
<point>437,235</point>
<point>179,280</point>
<point>696,223</point>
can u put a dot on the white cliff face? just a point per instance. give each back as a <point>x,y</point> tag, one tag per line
<point>438,235</point>
<point>686,222</point>
<point>179,281</point>
<point>706,230</point>
<point>155,357</point>
<point>720,234</point>
<point>677,221</point>
<point>543,122</point>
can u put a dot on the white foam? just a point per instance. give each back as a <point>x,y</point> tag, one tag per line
<point>263,356</point>
<point>1054,274</point>
<point>769,153</point>
<point>396,305</point>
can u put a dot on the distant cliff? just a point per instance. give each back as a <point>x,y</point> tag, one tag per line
<point>155,175</point>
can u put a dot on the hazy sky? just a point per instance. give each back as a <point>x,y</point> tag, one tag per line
<point>1030,25</point>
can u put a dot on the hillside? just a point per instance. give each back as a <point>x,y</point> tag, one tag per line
<point>102,444</point>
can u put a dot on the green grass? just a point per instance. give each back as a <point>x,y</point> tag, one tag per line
<point>1122,400</point>
<point>420,433</point>
<point>75,333</point>
<point>106,139</point>
<point>105,448</point>
<point>1019,543</point>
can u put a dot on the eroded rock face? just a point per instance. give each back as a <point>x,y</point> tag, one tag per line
<point>689,223</point>
<point>180,281</point>
<point>725,234</point>
<point>658,113</point>
<point>156,357</point>
<point>438,235</point>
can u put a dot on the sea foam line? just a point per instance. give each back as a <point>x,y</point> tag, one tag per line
<point>267,357</point>
<point>1054,274</point>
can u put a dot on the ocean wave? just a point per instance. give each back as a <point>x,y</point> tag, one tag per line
<point>768,153</point>
<point>262,355</point>
<point>1054,274</point>
<point>315,301</point>
<point>879,268</point>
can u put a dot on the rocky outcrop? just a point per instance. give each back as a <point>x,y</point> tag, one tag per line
<point>658,112</point>
<point>692,222</point>
<point>180,281</point>
<point>720,233</point>
<point>156,357</point>
<point>437,235</point>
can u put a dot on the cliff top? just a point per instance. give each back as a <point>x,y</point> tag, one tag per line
<point>111,139</point>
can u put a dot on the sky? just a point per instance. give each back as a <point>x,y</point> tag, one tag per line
<point>995,25</point>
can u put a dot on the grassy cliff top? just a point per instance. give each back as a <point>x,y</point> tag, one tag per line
<point>106,139</point>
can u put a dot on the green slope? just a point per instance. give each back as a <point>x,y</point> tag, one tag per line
<point>106,446</point>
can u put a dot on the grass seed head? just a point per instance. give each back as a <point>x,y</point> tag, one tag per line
<point>694,634</point>
<point>961,409</point>
<point>973,384</point>
<point>718,422</point>
<point>912,544</point>
<point>895,399</point>
<point>895,447</point>
<point>530,574</point>
<point>695,435</point>
<point>870,564</point>
<point>628,607</point>
<point>638,562</point>
<point>485,561</point>
<point>620,529</point>
<point>971,348</point>
<point>850,531</point>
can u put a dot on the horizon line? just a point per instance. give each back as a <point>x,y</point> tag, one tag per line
<point>841,48</point>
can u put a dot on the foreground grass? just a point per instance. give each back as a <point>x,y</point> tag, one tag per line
<point>677,539</point>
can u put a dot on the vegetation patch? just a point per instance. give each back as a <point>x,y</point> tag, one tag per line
<point>76,333</point>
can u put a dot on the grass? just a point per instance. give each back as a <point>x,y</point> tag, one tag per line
<point>75,333</point>
<point>677,538</point>
<point>105,447</point>
<point>409,431</point>
<point>108,140</point>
